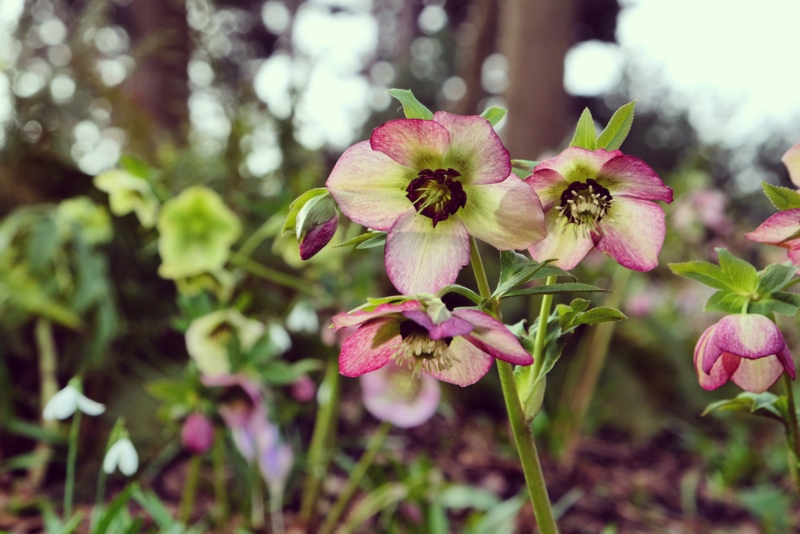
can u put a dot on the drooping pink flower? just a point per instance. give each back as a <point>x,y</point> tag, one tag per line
<point>780,230</point>
<point>456,347</point>
<point>390,394</point>
<point>430,184</point>
<point>197,433</point>
<point>748,349</point>
<point>597,198</point>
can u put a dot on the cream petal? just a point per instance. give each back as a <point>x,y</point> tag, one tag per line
<point>792,161</point>
<point>563,243</point>
<point>370,187</point>
<point>631,177</point>
<point>475,149</point>
<point>421,258</point>
<point>632,232</point>
<point>749,336</point>
<point>357,317</point>
<point>757,376</point>
<point>507,215</point>
<point>372,345</point>
<point>470,364</point>
<point>548,186</point>
<point>722,365</point>
<point>779,229</point>
<point>577,164</point>
<point>383,399</point>
<point>415,143</point>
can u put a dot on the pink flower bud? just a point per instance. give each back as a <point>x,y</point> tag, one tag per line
<point>304,389</point>
<point>197,433</point>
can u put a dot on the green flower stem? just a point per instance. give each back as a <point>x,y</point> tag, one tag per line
<point>373,446</point>
<point>190,488</point>
<point>72,453</point>
<point>324,428</point>
<point>794,433</point>
<point>273,275</point>
<point>541,331</point>
<point>523,437</point>
<point>257,499</point>
<point>220,495</point>
<point>255,239</point>
<point>276,512</point>
<point>48,386</point>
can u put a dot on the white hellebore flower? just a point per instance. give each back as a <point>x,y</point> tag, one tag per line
<point>121,454</point>
<point>64,403</point>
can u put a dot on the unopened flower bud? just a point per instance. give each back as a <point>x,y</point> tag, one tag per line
<point>197,433</point>
<point>314,218</point>
<point>304,389</point>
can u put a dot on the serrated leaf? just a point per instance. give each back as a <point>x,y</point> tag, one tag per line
<point>701,271</point>
<point>296,205</point>
<point>413,108</point>
<point>599,315</point>
<point>788,297</point>
<point>740,275</point>
<point>782,198</point>
<point>727,302</point>
<point>494,115</point>
<point>515,269</point>
<point>585,134</point>
<point>557,289</point>
<point>617,129</point>
<point>770,306</point>
<point>764,404</point>
<point>774,278</point>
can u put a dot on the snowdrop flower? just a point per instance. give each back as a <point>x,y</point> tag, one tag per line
<point>121,454</point>
<point>64,403</point>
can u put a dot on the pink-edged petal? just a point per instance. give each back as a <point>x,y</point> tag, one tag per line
<point>779,229</point>
<point>370,347</point>
<point>370,187</point>
<point>475,149</point>
<point>548,186</point>
<point>718,373</point>
<point>316,238</point>
<point>452,327</point>
<point>749,336</point>
<point>632,233</point>
<point>701,349</point>
<point>631,177</point>
<point>420,258</point>
<point>492,336</point>
<point>470,364</point>
<point>794,251</point>
<point>415,143</point>
<point>507,215</point>
<point>357,317</point>
<point>792,161</point>
<point>577,164</point>
<point>562,243</point>
<point>387,399</point>
<point>757,376</point>
<point>785,357</point>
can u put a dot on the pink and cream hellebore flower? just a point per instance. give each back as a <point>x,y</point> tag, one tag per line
<point>746,349</point>
<point>597,198</point>
<point>389,395</point>
<point>430,184</point>
<point>457,347</point>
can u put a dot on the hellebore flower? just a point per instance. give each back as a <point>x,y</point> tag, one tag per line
<point>314,218</point>
<point>780,230</point>
<point>208,336</point>
<point>391,395</point>
<point>121,454</point>
<point>64,403</point>
<point>430,184</point>
<point>748,349</point>
<point>197,433</point>
<point>456,347</point>
<point>196,230</point>
<point>129,193</point>
<point>596,198</point>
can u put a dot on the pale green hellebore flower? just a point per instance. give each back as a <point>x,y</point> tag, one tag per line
<point>121,454</point>
<point>129,193</point>
<point>64,403</point>
<point>207,339</point>
<point>82,215</point>
<point>196,231</point>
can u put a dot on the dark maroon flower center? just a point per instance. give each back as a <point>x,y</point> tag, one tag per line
<point>585,204</point>
<point>436,195</point>
<point>421,353</point>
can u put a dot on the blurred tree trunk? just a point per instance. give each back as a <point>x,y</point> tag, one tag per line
<point>479,37</point>
<point>535,37</point>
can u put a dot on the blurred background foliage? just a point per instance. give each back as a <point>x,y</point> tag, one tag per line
<point>255,100</point>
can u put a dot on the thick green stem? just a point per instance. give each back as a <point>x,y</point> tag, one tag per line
<point>190,488</point>
<point>72,453</point>
<point>523,437</point>
<point>274,276</point>
<point>324,428</point>
<point>373,446</point>
<point>220,495</point>
<point>541,331</point>
<point>48,386</point>
<point>793,432</point>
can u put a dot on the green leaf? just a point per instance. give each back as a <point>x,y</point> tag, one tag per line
<point>501,518</point>
<point>134,166</point>
<point>524,163</point>
<point>412,107</point>
<point>763,404</point>
<point>461,496</point>
<point>616,131</point>
<point>372,242</point>
<point>557,289</point>
<point>782,198</point>
<point>701,271</point>
<point>373,502</point>
<point>494,115</point>
<point>599,315</point>
<point>296,205</point>
<point>585,134</point>
<point>360,238</point>
<point>774,278</point>
<point>280,373</point>
<point>515,269</point>
<point>110,513</point>
<point>521,173</point>
<point>72,525</point>
<point>726,302</point>
<point>770,306</point>
<point>788,297</point>
<point>741,275</point>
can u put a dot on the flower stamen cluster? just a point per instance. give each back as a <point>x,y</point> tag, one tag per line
<point>436,195</point>
<point>583,205</point>
<point>420,353</point>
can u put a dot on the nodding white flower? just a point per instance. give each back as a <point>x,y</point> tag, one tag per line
<point>121,454</point>
<point>64,403</point>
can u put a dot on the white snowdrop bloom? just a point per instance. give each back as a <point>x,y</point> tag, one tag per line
<point>121,454</point>
<point>64,403</point>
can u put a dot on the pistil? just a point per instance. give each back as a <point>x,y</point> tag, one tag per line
<point>436,194</point>
<point>584,205</point>
<point>420,353</point>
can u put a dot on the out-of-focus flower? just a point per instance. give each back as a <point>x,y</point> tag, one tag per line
<point>303,318</point>
<point>121,454</point>
<point>197,433</point>
<point>748,349</point>
<point>80,214</point>
<point>304,389</point>
<point>430,184</point>
<point>780,230</point>
<point>275,457</point>
<point>129,193</point>
<point>792,161</point>
<point>64,403</point>
<point>704,208</point>
<point>196,231</point>
<point>390,394</point>
<point>423,335</point>
<point>207,339</point>
<point>596,198</point>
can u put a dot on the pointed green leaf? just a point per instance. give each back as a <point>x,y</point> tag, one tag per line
<point>557,289</point>
<point>764,404</point>
<point>524,163</point>
<point>741,275</point>
<point>375,241</point>
<point>774,278</point>
<point>494,115</point>
<point>701,271</point>
<point>782,198</point>
<point>412,107</point>
<point>296,205</point>
<point>599,315</point>
<point>366,236</point>
<point>521,173</point>
<point>770,306</point>
<point>616,131</point>
<point>727,302</point>
<point>585,134</point>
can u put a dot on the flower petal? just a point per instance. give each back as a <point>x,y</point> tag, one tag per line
<point>475,149</point>
<point>757,376</point>
<point>577,164</point>
<point>385,396</point>
<point>492,336</point>
<point>563,243</point>
<point>722,367</point>
<point>632,233</point>
<point>357,317</point>
<point>62,404</point>
<point>548,186</point>
<point>792,161</point>
<point>631,177</point>
<point>370,187</point>
<point>786,360</point>
<point>415,143</point>
<point>370,347</point>
<point>507,215</point>
<point>749,336</point>
<point>471,364</point>
<point>782,229</point>
<point>452,327</point>
<point>421,258</point>
<point>88,406</point>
